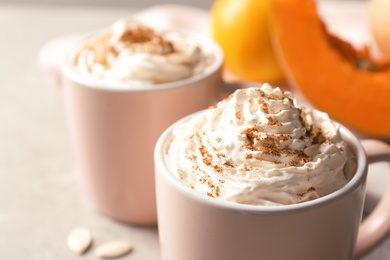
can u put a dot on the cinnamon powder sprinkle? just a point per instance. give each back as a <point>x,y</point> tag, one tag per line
<point>251,134</point>
<point>271,148</point>
<point>273,121</point>
<point>228,164</point>
<point>214,189</point>
<point>311,189</point>
<point>269,145</point>
<point>208,159</point>
<point>248,167</point>
<point>264,106</point>
<point>319,138</point>
<point>142,35</point>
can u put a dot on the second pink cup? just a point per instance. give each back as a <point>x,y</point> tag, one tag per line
<point>114,131</point>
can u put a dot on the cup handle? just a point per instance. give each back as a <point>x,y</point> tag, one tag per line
<point>376,227</point>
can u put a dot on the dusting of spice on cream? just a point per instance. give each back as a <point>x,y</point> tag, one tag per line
<point>130,54</point>
<point>259,147</point>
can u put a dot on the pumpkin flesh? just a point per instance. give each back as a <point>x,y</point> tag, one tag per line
<point>348,84</point>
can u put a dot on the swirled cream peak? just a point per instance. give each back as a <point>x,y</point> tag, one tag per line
<point>131,54</point>
<point>259,147</point>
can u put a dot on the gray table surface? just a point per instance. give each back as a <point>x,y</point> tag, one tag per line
<point>40,196</point>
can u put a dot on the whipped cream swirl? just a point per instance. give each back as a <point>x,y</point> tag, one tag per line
<point>132,55</point>
<point>259,147</point>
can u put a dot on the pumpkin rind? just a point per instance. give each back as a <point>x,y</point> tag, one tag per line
<point>355,97</point>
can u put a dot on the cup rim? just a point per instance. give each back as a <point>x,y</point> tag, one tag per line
<point>68,71</point>
<point>162,170</point>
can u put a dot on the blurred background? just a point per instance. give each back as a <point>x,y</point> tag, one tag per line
<point>132,3</point>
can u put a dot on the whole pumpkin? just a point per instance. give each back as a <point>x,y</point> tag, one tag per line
<point>241,27</point>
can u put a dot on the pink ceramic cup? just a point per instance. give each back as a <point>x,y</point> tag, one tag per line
<point>193,226</point>
<point>114,132</point>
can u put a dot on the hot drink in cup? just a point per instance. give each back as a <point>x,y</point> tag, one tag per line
<point>259,177</point>
<point>122,87</point>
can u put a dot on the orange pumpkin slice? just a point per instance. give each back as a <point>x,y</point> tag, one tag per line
<point>346,83</point>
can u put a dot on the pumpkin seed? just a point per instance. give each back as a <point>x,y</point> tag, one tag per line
<point>113,249</point>
<point>79,239</point>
